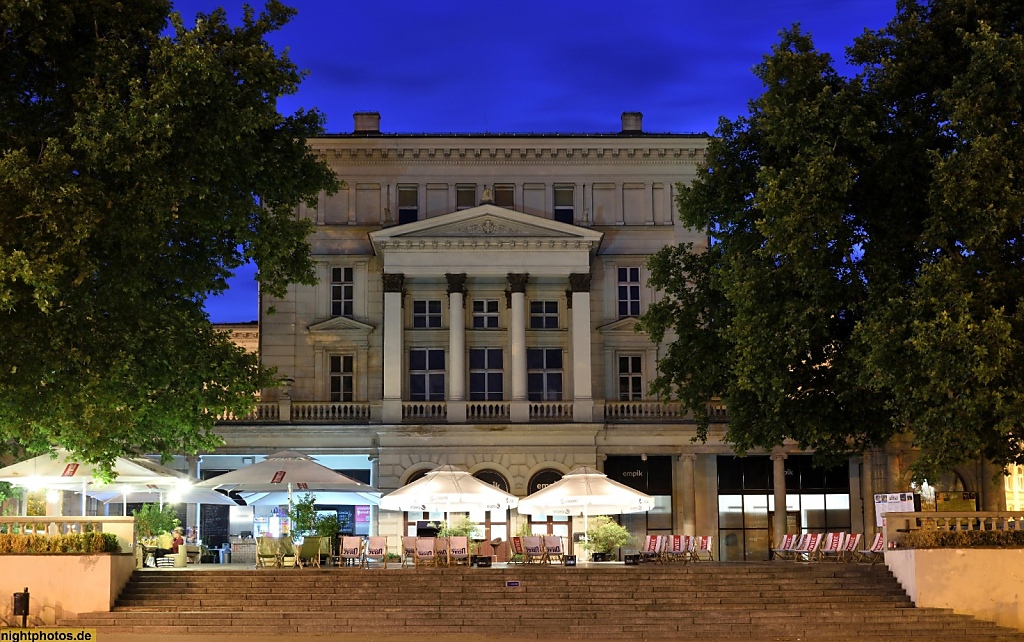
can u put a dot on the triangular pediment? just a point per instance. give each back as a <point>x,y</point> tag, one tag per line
<point>340,324</point>
<point>485,222</point>
<point>625,325</point>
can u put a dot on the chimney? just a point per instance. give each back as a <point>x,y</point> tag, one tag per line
<point>367,122</point>
<point>632,122</point>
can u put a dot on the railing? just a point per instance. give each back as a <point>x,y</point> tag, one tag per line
<point>487,411</point>
<point>643,410</point>
<point>330,412</point>
<point>264,411</point>
<point>122,527</point>
<point>424,411</point>
<point>896,524</point>
<point>550,411</point>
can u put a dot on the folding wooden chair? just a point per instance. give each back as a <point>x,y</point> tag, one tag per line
<point>533,548</point>
<point>651,548</point>
<point>553,551</point>
<point>874,552</point>
<point>351,551</point>
<point>426,554</point>
<point>516,546</point>
<point>409,550</point>
<point>376,551</point>
<point>286,552</point>
<point>850,547</point>
<point>785,548</point>
<point>309,552</point>
<point>806,550</point>
<point>703,548</point>
<point>458,550</point>
<point>266,551</point>
<point>831,549</point>
<point>442,551</point>
<point>677,548</point>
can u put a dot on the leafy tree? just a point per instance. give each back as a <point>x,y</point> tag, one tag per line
<point>864,273</point>
<point>137,171</point>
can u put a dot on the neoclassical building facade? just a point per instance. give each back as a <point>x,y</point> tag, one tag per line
<point>476,306</point>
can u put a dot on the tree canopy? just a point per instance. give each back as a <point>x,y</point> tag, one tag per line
<point>864,278</point>
<point>141,162</point>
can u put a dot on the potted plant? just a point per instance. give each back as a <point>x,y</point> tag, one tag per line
<point>327,527</point>
<point>604,535</point>
<point>152,521</point>
<point>303,516</point>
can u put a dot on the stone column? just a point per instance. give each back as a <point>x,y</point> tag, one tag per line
<point>519,407</point>
<point>779,481</point>
<point>867,491</point>
<point>687,516</point>
<point>456,347</point>
<point>582,376</point>
<point>192,515</point>
<point>374,511</point>
<point>993,487</point>
<point>391,410</point>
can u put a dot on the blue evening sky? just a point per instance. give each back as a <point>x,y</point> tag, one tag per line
<point>535,65</point>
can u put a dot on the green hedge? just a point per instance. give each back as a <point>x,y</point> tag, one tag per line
<point>963,539</point>
<point>13,543</point>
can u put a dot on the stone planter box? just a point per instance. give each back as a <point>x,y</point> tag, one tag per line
<point>982,582</point>
<point>62,585</point>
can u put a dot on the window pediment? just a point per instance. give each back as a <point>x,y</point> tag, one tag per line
<point>341,325</point>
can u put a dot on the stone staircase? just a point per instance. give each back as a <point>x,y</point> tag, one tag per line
<point>706,601</point>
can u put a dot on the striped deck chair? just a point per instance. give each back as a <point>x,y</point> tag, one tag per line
<point>851,547</point>
<point>553,551</point>
<point>409,550</point>
<point>703,548</point>
<point>442,550</point>
<point>351,551</point>
<point>426,554</point>
<point>533,549</point>
<point>652,549</point>
<point>376,551</point>
<point>458,550</point>
<point>806,550</point>
<point>785,547</point>
<point>678,548</point>
<point>516,546</point>
<point>831,549</point>
<point>874,552</point>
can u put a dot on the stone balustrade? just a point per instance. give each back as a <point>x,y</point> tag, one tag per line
<point>896,524</point>
<point>122,527</point>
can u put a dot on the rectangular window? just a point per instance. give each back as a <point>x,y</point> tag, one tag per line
<point>342,292</point>
<point>505,196</point>
<point>465,197</point>
<point>564,212</point>
<point>485,374</point>
<point>426,374</point>
<point>485,313</point>
<point>426,314</point>
<point>629,292</point>
<point>408,204</point>
<point>543,315</point>
<point>630,378</point>
<point>342,377</point>
<point>544,374</point>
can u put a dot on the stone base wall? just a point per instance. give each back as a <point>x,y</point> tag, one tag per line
<point>984,583</point>
<point>62,586</point>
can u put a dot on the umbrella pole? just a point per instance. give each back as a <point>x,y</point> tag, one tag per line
<point>124,504</point>
<point>83,498</point>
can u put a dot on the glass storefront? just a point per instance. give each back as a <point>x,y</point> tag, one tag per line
<point>817,500</point>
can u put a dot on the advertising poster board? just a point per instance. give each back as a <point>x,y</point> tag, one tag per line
<point>956,502</point>
<point>894,503</point>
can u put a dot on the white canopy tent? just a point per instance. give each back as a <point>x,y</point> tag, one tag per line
<point>586,491</point>
<point>286,472</point>
<point>448,489</point>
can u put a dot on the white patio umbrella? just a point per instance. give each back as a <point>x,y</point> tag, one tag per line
<point>586,491</point>
<point>448,489</point>
<point>288,471</point>
<point>327,497</point>
<point>186,495</point>
<point>61,470</point>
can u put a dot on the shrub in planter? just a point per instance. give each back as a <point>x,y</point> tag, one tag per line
<point>78,543</point>
<point>151,520</point>
<point>962,539</point>
<point>604,535</point>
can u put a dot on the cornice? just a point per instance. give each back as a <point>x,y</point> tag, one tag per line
<point>487,244</point>
<point>513,156</point>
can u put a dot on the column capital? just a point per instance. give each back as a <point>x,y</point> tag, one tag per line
<point>517,282</point>
<point>778,455</point>
<point>687,456</point>
<point>393,282</point>
<point>580,282</point>
<point>456,283</point>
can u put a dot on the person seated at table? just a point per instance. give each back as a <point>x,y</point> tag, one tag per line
<point>171,548</point>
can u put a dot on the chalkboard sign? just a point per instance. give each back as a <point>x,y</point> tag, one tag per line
<point>215,524</point>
